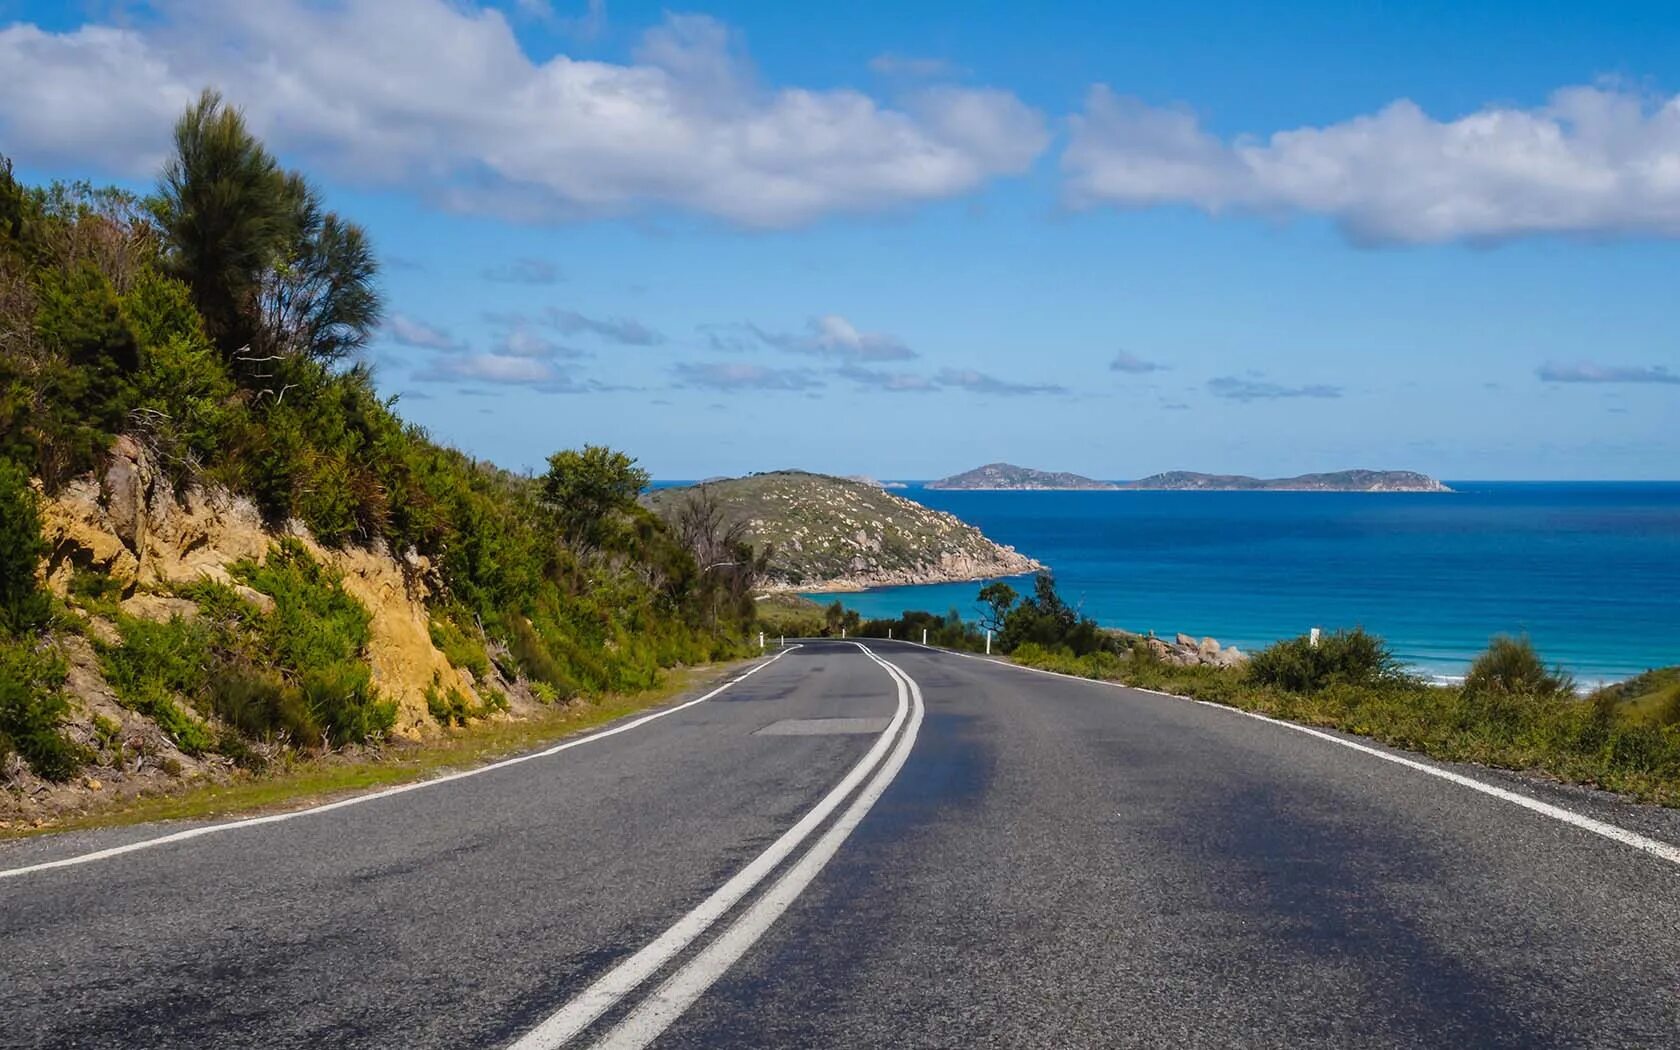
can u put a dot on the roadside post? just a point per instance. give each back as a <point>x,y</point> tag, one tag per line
<point>761,641</point>
<point>924,635</point>
<point>988,643</point>
<point>889,634</point>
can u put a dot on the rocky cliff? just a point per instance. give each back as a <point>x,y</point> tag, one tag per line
<point>128,524</point>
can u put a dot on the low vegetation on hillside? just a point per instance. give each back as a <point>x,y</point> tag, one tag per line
<point>214,324</point>
<point>819,532</point>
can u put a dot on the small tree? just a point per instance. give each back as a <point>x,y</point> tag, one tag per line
<point>272,271</point>
<point>586,488</point>
<point>997,597</point>
<point>223,207</point>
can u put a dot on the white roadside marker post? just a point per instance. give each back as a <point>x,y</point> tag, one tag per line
<point>924,635</point>
<point>761,641</point>
<point>889,634</point>
<point>988,643</point>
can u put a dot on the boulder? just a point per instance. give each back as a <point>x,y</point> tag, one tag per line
<point>1230,656</point>
<point>159,607</point>
<point>1185,641</point>
<point>1209,647</point>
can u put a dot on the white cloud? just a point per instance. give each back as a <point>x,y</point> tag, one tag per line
<point>613,329</point>
<point>741,375</point>
<point>1591,160</point>
<point>441,97</point>
<point>490,368</point>
<point>982,383</point>
<point>891,382</point>
<point>1133,364</point>
<point>1238,388</point>
<point>827,336</point>
<point>1588,372</point>
<point>522,342</point>
<point>406,331</point>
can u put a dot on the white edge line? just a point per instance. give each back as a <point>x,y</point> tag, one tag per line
<point>1655,847</point>
<point>275,818</point>
<point>656,1013</point>
<point>607,990</point>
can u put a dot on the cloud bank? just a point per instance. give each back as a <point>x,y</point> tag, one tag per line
<point>1593,160</point>
<point>441,97</point>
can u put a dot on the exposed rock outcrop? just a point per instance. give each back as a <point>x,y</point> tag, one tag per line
<point>129,524</point>
<point>1185,651</point>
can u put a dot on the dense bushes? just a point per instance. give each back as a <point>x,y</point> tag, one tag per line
<point>32,708</point>
<point>1302,665</point>
<point>23,606</point>
<point>32,705</point>
<point>949,631</point>
<point>1511,667</point>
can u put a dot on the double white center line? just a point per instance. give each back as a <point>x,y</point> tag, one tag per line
<point>666,1003</point>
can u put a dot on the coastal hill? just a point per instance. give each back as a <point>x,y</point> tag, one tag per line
<point>838,534</point>
<point>1007,477</point>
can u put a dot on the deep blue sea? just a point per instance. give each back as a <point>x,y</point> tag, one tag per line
<point>1589,571</point>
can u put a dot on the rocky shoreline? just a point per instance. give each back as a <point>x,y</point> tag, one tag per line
<point>1185,651</point>
<point>952,567</point>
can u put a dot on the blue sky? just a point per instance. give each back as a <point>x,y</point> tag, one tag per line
<point>905,240</point>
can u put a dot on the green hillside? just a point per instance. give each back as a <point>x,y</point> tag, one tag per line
<point>211,327</point>
<point>828,533</point>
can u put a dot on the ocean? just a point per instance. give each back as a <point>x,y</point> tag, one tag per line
<point>1589,571</point>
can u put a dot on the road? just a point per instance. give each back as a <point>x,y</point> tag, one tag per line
<point>911,848</point>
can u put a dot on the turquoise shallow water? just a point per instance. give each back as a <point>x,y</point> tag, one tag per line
<point>1590,571</point>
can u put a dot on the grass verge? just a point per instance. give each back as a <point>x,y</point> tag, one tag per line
<point>309,780</point>
<point>1594,742</point>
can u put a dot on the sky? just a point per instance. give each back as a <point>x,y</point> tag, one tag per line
<point>902,240</point>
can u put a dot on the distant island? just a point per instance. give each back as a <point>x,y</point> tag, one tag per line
<point>1008,477</point>
<point>844,534</point>
<point>1333,481</point>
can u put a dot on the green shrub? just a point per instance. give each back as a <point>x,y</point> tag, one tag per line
<point>543,692</point>
<point>460,648</point>
<point>23,605</point>
<point>447,705</point>
<point>1509,667</point>
<point>1342,658</point>
<point>32,710</point>
<point>155,666</point>
<point>342,699</point>
<point>261,705</point>
<point>536,661</point>
<point>315,624</point>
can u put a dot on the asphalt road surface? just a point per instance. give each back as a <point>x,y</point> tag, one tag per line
<point>847,849</point>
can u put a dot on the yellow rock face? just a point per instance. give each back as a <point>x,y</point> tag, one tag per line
<point>129,525</point>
